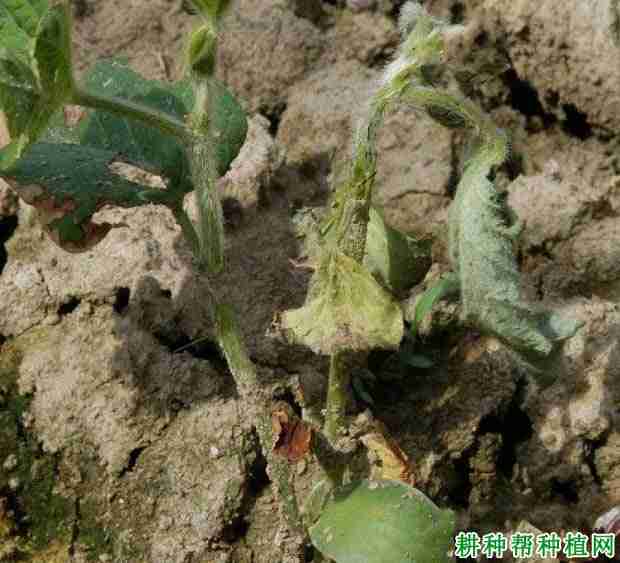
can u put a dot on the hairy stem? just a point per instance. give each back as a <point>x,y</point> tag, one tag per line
<point>335,412</point>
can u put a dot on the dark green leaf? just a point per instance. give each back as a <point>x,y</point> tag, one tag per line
<point>383,522</point>
<point>146,146</point>
<point>68,184</point>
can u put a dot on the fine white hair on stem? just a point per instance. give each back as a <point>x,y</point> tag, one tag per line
<point>409,15</point>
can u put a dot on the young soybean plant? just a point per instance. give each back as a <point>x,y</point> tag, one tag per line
<point>187,132</point>
<point>349,310</point>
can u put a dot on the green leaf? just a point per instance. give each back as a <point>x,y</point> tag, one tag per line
<point>383,522</point>
<point>447,285</point>
<point>346,309</point>
<point>35,70</point>
<point>141,144</point>
<point>68,184</point>
<point>399,260</point>
<point>201,51</point>
<point>144,145</point>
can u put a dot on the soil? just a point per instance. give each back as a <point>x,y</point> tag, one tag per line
<point>121,440</point>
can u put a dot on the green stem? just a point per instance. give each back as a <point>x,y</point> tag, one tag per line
<point>132,110</point>
<point>189,232</point>
<point>335,415</point>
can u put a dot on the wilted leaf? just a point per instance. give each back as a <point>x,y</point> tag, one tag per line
<point>292,436</point>
<point>482,247</point>
<point>35,70</point>
<point>383,522</point>
<point>346,309</point>
<point>394,462</point>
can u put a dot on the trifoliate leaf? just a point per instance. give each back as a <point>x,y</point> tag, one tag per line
<point>377,521</point>
<point>68,184</point>
<point>399,260</point>
<point>346,309</point>
<point>482,246</point>
<point>35,70</point>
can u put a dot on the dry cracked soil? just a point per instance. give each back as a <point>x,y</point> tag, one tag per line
<point>122,441</point>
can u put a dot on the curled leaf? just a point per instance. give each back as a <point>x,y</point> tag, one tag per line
<point>483,247</point>
<point>346,309</point>
<point>292,436</point>
<point>445,286</point>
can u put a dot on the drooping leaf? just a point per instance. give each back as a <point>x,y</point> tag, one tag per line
<point>399,260</point>
<point>482,251</point>
<point>383,522</point>
<point>68,184</point>
<point>346,309</point>
<point>35,70</point>
<point>445,286</point>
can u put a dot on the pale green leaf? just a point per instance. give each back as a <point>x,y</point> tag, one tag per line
<point>482,248</point>
<point>346,309</point>
<point>400,261</point>
<point>376,521</point>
